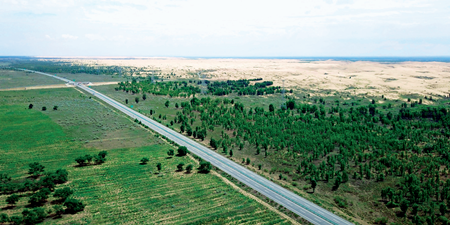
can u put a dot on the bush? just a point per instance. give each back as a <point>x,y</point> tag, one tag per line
<point>381,220</point>
<point>73,205</point>
<point>205,167</point>
<point>180,166</point>
<point>144,160</point>
<point>182,151</point>
<point>189,168</point>
<point>63,193</point>
<point>341,202</point>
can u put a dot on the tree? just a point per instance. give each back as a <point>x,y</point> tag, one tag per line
<point>4,218</point>
<point>182,151</point>
<point>59,210</point>
<point>39,197</point>
<point>337,182</point>
<point>12,199</point>
<point>30,106</point>
<point>159,166</point>
<point>136,100</point>
<point>63,193</point>
<point>103,154</point>
<point>180,166</point>
<point>81,160</point>
<point>248,161</point>
<point>55,107</point>
<point>126,101</point>
<point>271,108</point>
<point>167,104</point>
<point>213,143</point>
<point>231,152</point>
<point>44,108</point>
<point>16,219</point>
<point>144,97</point>
<point>73,205</point>
<point>189,168</point>
<point>98,159</point>
<point>313,184</point>
<point>205,167</point>
<point>144,160</point>
<point>36,169</point>
<point>176,105</point>
<point>88,158</point>
<point>404,203</point>
<point>170,153</point>
<point>442,208</point>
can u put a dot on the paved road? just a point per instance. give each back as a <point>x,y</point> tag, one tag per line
<point>300,206</point>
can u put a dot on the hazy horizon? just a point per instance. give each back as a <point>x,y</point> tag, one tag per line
<point>176,28</point>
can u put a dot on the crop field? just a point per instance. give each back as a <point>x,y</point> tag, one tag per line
<point>15,79</point>
<point>121,190</point>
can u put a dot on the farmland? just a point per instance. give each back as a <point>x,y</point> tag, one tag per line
<point>121,190</point>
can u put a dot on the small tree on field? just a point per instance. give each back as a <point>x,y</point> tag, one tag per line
<point>144,97</point>
<point>170,153</point>
<point>73,205</point>
<point>180,166</point>
<point>4,218</point>
<point>126,101</point>
<point>12,199</point>
<point>44,108</point>
<point>313,184</point>
<point>167,103</point>
<point>159,166</point>
<point>136,99</point>
<point>231,152</point>
<point>248,161</point>
<point>271,108</point>
<point>59,210</point>
<point>189,168</point>
<point>144,160</point>
<point>182,151</point>
<point>205,167</point>
<point>36,169</point>
<point>30,106</point>
<point>55,107</point>
<point>63,193</point>
<point>176,105</point>
<point>16,219</point>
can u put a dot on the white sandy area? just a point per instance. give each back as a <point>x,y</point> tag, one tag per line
<point>371,78</point>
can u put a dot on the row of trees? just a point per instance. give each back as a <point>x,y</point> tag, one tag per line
<point>41,185</point>
<point>87,159</point>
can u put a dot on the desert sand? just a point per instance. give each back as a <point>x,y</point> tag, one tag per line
<point>361,77</point>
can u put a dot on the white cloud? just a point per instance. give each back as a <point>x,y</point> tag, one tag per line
<point>94,37</point>
<point>68,36</point>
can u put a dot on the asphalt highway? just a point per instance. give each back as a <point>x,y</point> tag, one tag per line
<point>300,206</point>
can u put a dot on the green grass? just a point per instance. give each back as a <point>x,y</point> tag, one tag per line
<point>120,190</point>
<point>15,79</point>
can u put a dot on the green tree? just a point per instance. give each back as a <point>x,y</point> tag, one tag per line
<point>404,203</point>
<point>59,210</point>
<point>126,101</point>
<point>16,219</point>
<point>180,166</point>
<point>73,205</point>
<point>36,169</point>
<point>213,143</point>
<point>231,152</point>
<point>313,184</point>
<point>144,97</point>
<point>205,167</point>
<point>442,208</point>
<point>136,99</point>
<point>12,199</point>
<point>167,103</point>
<point>44,108</point>
<point>30,106</point>
<point>337,182</point>
<point>63,193</point>
<point>176,105</point>
<point>55,107</point>
<point>144,160</point>
<point>248,161</point>
<point>4,218</point>
<point>182,151</point>
<point>159,166</point>
<point>170,153</point>
<point>81,160</point>
<point>189,168</point>
<point>271,108</point>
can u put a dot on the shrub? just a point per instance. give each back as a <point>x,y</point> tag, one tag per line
<point>180,166</point>
<point>144,160</point>
<point>189,168</point>
<point>341,202</point>
<point>182,151</point>
<point>205,167</point>
<point>73,205</point>
<point>63,193</point>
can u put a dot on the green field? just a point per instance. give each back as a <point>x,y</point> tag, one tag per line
<point>120,190</point>
<point>16,79</point>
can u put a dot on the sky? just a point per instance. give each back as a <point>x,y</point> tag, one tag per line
<point>206,28</point>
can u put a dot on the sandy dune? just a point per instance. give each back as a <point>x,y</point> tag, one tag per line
<point>373,78</point>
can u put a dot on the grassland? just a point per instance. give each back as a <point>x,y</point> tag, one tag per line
<point>15,79</point>
<point>121,190</point>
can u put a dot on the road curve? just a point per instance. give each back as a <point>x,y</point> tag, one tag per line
<point>300,206</point>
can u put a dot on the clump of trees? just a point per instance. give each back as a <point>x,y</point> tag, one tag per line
<point>42,184</point>
<point>86,160</point>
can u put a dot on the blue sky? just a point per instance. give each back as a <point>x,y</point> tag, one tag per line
<point>225,28</point>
